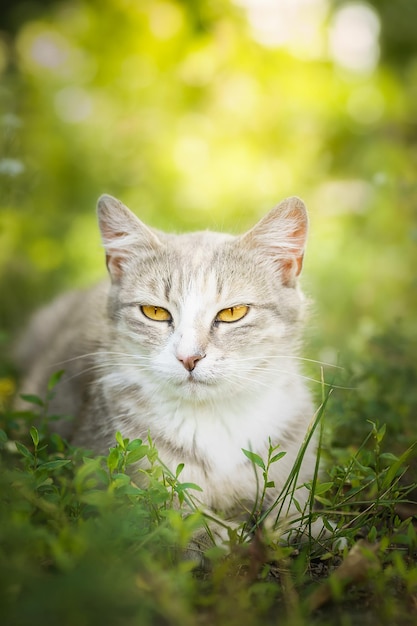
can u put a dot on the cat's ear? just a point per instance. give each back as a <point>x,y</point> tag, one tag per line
<point>282,235</point>
<point>122,233</point>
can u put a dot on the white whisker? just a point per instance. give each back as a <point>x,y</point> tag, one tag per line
<point>243,380</point>
<point>292,357</point>
<point>101,366</point>
<point>104,353</point>
<point>301,376</point>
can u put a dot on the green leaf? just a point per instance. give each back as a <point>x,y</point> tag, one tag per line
<point>179,469</point>
<point>411,535</point>
<point>113,459</point>
<point>389,457</point>
<point>131,490</point>
<point>54,380</point>
<point>398,464</point>
<point>328,525</point>
<point>277,457</point>
<point>323,501</point>
<point>321,488</point>
<point>119,438</point>
<point>297,505</point>
<point>120,480</point>
<point>32,399</point>
<point>136,454</point>
<point>255,458</point>
<point>381,433</point>
<point>373,534</point>
<point>52,465</point>
<point>35,436</point>
<point>152,454</point>
<point>3,436</point>
<point>183,486</point>
<point>23,450</point>
<point>135,443</point>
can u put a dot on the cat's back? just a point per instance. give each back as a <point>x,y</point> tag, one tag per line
<point>59,322</point>
<point>62,336</point>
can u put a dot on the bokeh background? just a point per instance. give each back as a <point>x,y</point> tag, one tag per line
<point>205,114</point>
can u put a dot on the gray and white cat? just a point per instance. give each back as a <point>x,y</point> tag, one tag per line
<point>194,339</point>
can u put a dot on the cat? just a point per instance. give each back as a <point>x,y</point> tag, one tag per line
<point>194,339</point>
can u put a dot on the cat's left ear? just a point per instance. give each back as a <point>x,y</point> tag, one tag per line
<point>282,235</point>
<point>124,235</point>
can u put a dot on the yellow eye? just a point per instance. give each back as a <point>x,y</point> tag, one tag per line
<point>233,314</point>
<point>156,313</point>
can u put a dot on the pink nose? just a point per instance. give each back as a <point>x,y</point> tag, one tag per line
<point>189,362</point>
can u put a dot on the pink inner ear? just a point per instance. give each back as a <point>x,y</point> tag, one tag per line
<point>290,269</point>
<point>114,263</point>
<point>114,259</point>
<point>299,233</point>
<point>282,235</point>
<point>299,262</point>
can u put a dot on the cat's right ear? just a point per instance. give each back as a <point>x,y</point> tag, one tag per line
<point>281,236</point>
<point>122,233</point>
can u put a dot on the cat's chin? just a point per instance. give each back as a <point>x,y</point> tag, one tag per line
<point>194,389</point>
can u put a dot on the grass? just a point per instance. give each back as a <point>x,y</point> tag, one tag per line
<point>81,543</point>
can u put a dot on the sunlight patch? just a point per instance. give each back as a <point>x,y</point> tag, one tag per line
<point>354,38</point>
<point>292,24</point>
<point>43,47</point>
<point>73,104</point>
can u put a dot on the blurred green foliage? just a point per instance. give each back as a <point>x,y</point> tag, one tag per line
<point>195,118</point>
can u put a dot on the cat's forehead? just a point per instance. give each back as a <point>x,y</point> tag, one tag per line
<point>198,254</point>
<point>209,264</point>
<point>199,241</point>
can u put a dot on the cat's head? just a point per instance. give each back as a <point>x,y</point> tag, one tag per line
<point>202,313</point>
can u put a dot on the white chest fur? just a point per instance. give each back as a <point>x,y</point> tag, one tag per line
<point>209,437</point>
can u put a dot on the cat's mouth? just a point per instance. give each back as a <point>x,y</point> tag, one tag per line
<point>193,380</point>
<point>195,386</point>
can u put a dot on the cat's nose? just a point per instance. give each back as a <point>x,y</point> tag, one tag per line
<point>189,362</point>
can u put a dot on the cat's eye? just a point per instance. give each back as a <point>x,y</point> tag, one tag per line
<point>156,313</point>
<point>232,314</point>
